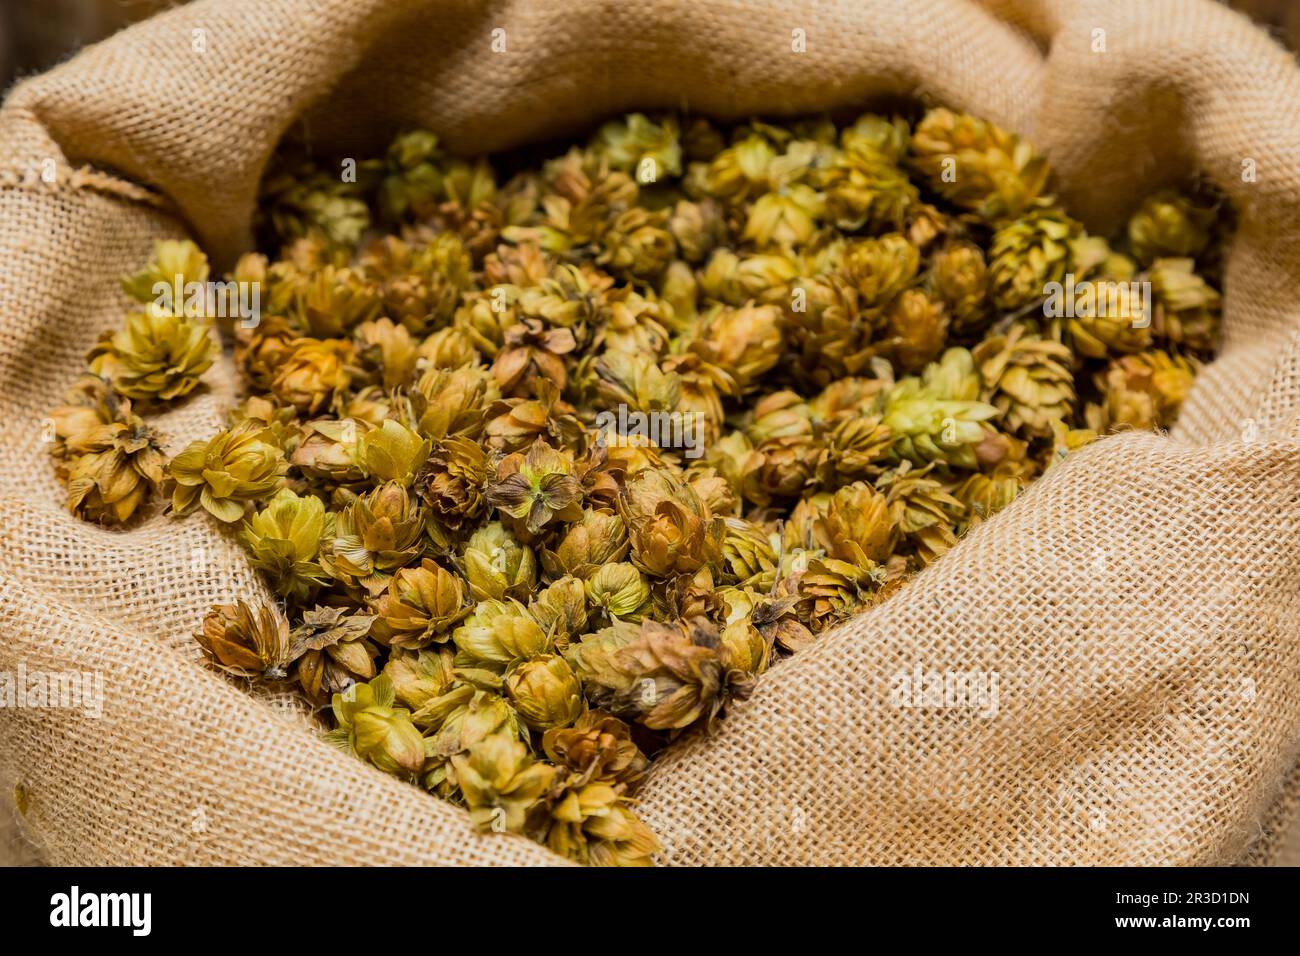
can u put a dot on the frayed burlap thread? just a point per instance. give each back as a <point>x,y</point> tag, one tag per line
<point>1138,610</point>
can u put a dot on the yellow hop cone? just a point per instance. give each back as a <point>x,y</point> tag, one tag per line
<point>1028,379</point>
<point>313,371</point>
<point>372,727</point>
<point>857,526</point>
<point>501,783</point>
<point>497,565</point>
<point>545,691</point>
<point>174,261</point>
<point>393,452</point>
<point>236,466</point>
<point>1027,254</point>
<point>156,356</point>
<point>500,633</point>
<point>284,539</point>
<point>1169,224</point>
<point>978,165</point>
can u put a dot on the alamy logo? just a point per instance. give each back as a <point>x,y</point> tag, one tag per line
<point>65,690</point>
<point>75,908</point>
<point>213,300</point>
<point>667,430</point>
<point>1092,300</point>
<point>926,689</point>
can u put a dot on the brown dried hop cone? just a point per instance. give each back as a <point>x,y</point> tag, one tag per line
<point>92,403</point>
<point>959,278</point>
<point>537,488</point>
<point>335,651</point>
<point>855,448</point>
<point>670,527</point>
<point>742,343</point>
<point>109,458</point>
<point>374,536</point>
<point>597,747</point>
<point>531,349</point>
<point>1141,391</point>
<point>827,592</point>
<point>419,606</point>
<point>247,641</point>
<point>312,372</point>
<point>451,482</point>
<point>668,677</point>
<point>917,327</point>
<point>977,165</point>
<point>826,337</point>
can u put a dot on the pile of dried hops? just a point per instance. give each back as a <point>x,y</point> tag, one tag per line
<point>547,470</point>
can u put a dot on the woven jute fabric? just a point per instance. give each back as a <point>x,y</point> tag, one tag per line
<point>1139,608</point>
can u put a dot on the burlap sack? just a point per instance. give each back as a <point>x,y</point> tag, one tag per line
<point>1138,607</point>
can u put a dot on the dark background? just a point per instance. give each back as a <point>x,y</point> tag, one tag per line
<point>37,34</point>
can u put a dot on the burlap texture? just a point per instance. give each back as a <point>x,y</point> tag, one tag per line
<point>1139,606</point>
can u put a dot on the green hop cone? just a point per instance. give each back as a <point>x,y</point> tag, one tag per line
<point>374,729</point>
<point>156,356</point>
<point>284,539</point>
<point>228,471</point>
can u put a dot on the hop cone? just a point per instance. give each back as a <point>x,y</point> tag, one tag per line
<point>1028,379</point>
<point>937,417</point>
<point>977,165</point>
<point>1187,307</point>
<point>1027,254</point>
<point>156,356</point>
